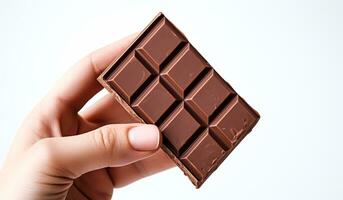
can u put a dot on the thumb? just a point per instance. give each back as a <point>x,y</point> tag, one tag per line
<point>108,146</point>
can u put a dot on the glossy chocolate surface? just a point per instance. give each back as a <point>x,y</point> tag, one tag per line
<point>163,80</point>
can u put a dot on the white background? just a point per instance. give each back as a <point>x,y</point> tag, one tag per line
<point>284,57</point>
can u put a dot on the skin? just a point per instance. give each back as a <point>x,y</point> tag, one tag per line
<point>62,153</point>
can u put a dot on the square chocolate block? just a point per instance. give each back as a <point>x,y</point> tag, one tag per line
<point>162,79</point>
<point>203,155</point>
<point>138,75</point>
<point>234,121</point>
<point>180,121</point>
<point>184,69</point>
<point>154,53</point>
<point>154,102</point>
<point>214,90</point>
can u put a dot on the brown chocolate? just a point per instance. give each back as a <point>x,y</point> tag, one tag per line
<point>162,79</point>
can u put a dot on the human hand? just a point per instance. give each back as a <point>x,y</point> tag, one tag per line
<point>62,153</point>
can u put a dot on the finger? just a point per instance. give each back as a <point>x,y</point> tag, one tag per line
<point>107,110</point>
<point>108,146</point>
<point>80,84</point>
<point>117,177</point>
<point>156,163</point>
<point>101,187</point>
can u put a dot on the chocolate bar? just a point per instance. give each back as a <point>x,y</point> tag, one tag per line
<point>162,79</point>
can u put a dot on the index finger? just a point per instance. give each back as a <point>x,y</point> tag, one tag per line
<point>80,82</point>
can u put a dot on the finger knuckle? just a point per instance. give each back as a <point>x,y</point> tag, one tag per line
<point>44,152</point>
<point>107,140</point>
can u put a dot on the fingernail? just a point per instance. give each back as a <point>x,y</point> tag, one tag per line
<point>144,137</point>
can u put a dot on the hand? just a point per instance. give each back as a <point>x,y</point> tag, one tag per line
<point>62,153</point>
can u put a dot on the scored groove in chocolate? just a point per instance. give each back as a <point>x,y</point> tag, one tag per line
<point>164,80</point>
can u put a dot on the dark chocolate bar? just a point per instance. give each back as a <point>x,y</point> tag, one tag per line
<point>163,80</point>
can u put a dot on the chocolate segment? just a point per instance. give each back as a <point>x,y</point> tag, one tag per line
<point>163,80</point>
<point>202,157</point>
<point>179,128</point>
